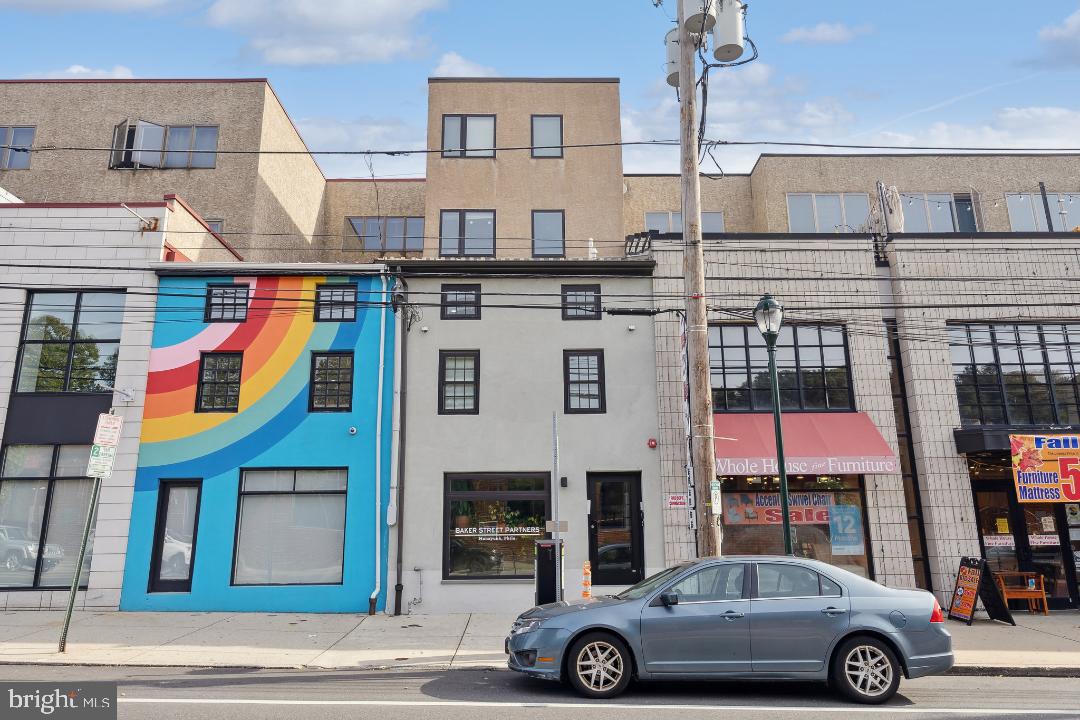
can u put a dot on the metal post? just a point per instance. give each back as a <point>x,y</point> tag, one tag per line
<point>770,341</point>
<point>91,512</point>
<point>1046,208</point>
<point>556,485</point>
<point>703,455</point>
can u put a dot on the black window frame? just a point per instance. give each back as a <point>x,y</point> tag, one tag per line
<point>200,390</point>
<point>241,493</point>
<point>384,225</point>
<point>154,583</point>
<point>461,232</point>
<point>562,240</point>
<point>442,383</point>
<point>449,496</point>
<point>751,368</point>
<point>331,303</point>
<point>532,137</point>
<point>471,308</point>
<point>591,310</point>
<point>46,513</point>
<point>8,149</point>
<point>313,383</point>
<point>463,132</point>
<point>71,342</point>
<point>123,152</point>
<point>601,381</point>
<point>235,303</point>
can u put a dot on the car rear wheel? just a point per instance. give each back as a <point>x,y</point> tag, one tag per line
<point>12,561</point>
<point>599,666</point>
<point>865,669</point>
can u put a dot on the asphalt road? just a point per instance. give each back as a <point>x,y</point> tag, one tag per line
<point>198,694</point>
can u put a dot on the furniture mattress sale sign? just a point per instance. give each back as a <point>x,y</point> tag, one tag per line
<point>1046,468</point>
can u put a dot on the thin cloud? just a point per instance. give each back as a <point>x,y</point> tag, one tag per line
<point>825,34</point>
<point>1061,43</point>
<point>453,65</point>
<point>118,72</point>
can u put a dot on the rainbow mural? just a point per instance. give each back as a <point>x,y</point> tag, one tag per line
<point>273,428</point>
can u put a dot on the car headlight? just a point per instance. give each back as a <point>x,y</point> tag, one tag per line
<point>525,626</point>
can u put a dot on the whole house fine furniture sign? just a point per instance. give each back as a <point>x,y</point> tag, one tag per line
<point>1046,468</point>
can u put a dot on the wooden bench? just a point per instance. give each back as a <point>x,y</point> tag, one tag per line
<point>1017,586</point>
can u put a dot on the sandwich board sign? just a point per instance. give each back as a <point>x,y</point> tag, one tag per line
<point>973,582</point>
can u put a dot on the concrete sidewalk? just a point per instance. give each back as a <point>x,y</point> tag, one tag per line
<point>1038,645</point>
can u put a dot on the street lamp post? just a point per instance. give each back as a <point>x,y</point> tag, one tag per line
<point>769,314</point>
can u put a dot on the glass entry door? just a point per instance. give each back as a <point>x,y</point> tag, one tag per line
<point>615,529</point>
<point>175,535</point>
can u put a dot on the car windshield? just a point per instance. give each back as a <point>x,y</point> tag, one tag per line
<point>649,584</point>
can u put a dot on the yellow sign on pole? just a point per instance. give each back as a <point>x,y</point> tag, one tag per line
<point>1046,468</point>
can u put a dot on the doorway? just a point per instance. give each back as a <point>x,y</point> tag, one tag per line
<point>616,525</point>
<point>175,534</point>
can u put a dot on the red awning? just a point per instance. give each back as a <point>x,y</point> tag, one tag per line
<point>845,443</point>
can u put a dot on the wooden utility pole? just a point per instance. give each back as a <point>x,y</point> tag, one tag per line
<point>709,531</point>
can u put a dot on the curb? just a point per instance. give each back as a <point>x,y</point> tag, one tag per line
<point>1003,671</point>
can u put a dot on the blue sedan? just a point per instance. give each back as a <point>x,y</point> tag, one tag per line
<point>759,617</point>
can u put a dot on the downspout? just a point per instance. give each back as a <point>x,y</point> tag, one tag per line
<point>378,450</point>
<point>403,384</point>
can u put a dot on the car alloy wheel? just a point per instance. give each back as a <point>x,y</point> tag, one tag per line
<point>868,670</point>
<point>12,562</point>
<point>600,666</point>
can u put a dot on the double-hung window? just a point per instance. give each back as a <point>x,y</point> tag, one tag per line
<point>290,527</point>
<point>142,144</point>
<point>468,136</point>
<point>583,382</point>
<point>549,233</point>
<point>459,382</point>
<point>671,222</point>
<point>44,496</point>
<point>1027,212</point>
<point>460,302</point>
<point>226,303</point>
<point>938,212</point>
<point>335,303</point>
<point>467,232</point>
<point>547,136</point>
<point>331,382</point>
<point>70,342</point>
<point>828,212</point>
<point>581,302</point>
<point>389,234</point>
<point>219,382</point>
<point>15,143</point>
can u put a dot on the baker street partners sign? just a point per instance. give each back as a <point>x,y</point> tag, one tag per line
<point>58,700</point>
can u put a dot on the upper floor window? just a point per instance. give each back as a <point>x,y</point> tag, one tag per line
<point>549,233</point>
<point>143,144</point>
<point>468,136</point>
<point>335,303</point>
<point>219,382</point>
<point>828,212</point>
<point>226,303</point>
<point>1027,213</point>
<point>583,382</point>
<point>581,302</point>
<point>1008,374</point>
<point>671,222</point>
<point>71,342</point>
<point>459,382</point>
<point>216,226</point>
<point>467,232</point>
<point>11,139</point>
<point>460,302</point>
<point>547,137</point>
<point>389,234</point>
<point>938,212</point>
<point>811,362</point>
<point>331,382</point>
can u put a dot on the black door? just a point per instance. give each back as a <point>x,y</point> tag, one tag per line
<point>175,534</point>
<point>615,528</point>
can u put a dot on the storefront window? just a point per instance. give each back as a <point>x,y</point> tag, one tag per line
<point>43,503</point>
<point>492,522</point>
<point>826,513</point>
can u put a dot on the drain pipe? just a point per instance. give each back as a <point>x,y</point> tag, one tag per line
<point>399,490</point>
<point>378,448</point>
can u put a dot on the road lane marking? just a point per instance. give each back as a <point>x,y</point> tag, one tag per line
<point>982,712</point>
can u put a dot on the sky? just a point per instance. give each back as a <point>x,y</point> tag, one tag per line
<point>353,73</point>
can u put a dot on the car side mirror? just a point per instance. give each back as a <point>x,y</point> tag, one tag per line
<point>669,598</point>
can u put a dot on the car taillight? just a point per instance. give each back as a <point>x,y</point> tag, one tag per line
<point>936,616</point>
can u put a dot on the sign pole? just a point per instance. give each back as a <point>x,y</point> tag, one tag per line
<point>91,512</point>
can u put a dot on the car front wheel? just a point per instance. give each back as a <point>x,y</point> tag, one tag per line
<point>865,669</point>
<point>599,666</point>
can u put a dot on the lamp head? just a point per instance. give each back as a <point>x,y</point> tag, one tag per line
<point>769,315</point>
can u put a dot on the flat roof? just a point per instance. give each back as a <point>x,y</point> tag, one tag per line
<point>524,79</point>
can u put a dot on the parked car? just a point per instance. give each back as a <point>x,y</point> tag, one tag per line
<point>750,617</point>
<point>19,550</point>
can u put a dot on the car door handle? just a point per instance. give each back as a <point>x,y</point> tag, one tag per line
<point>731,615</point>
<point>830,611</point>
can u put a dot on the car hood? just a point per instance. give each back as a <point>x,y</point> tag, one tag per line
<point>566,607</point>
